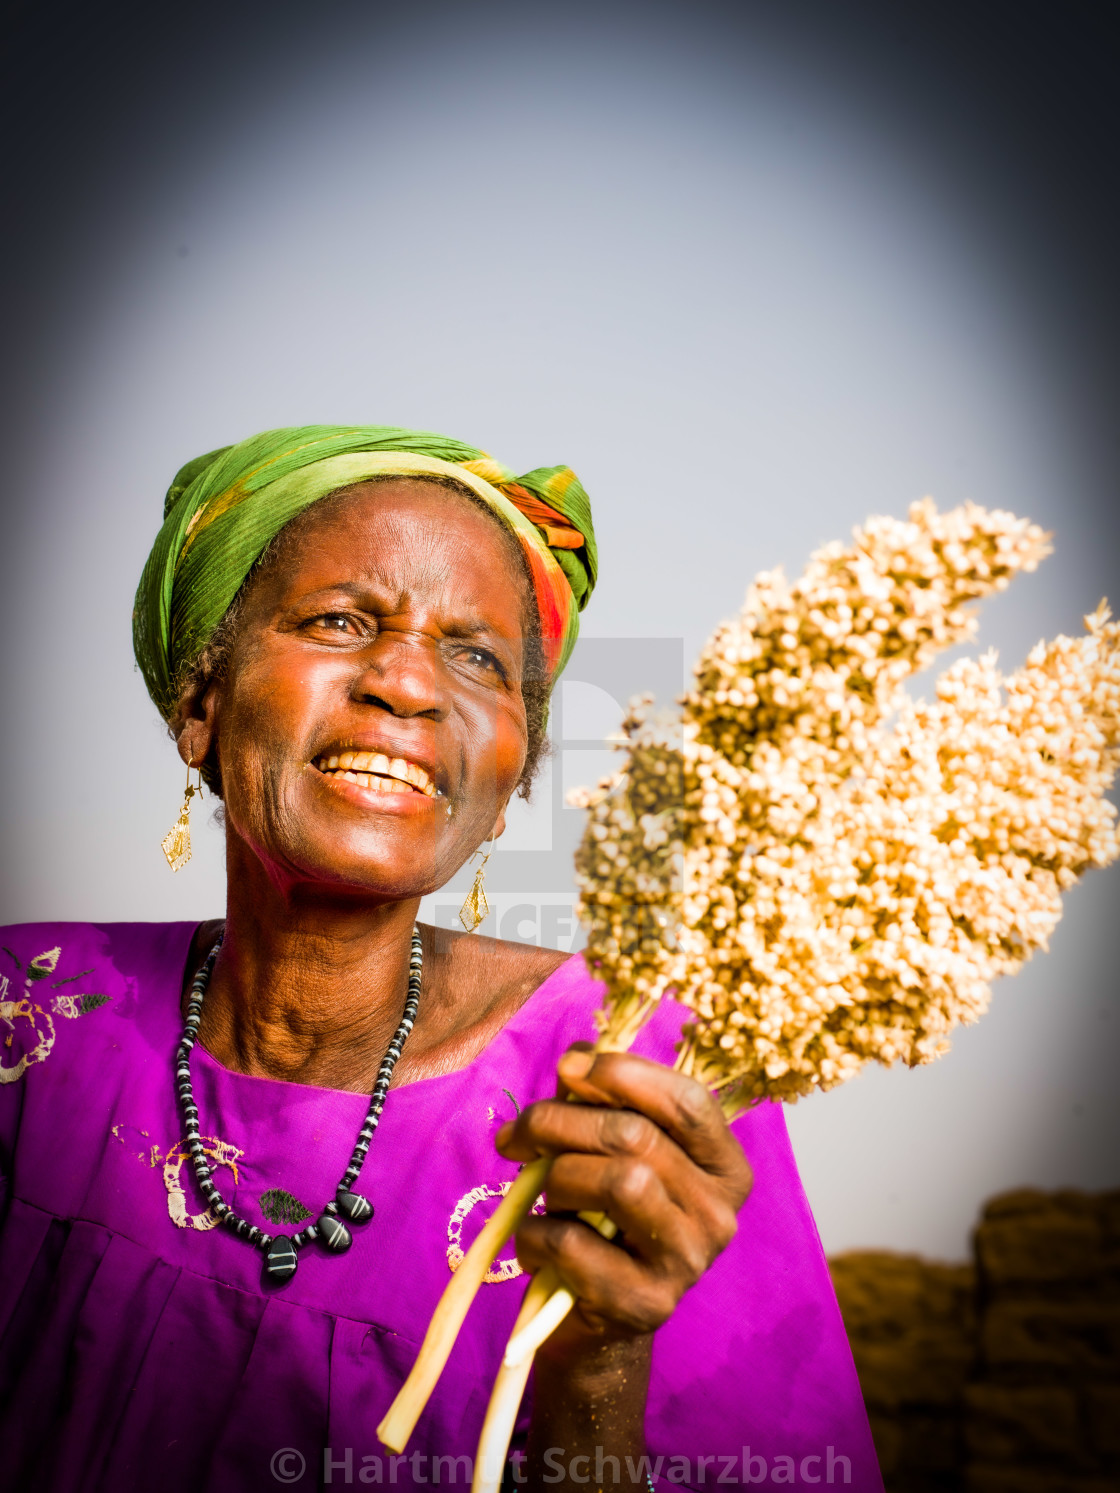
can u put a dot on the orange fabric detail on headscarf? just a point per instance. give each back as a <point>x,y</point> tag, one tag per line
<point>550,604</point>
<point>557,530</point>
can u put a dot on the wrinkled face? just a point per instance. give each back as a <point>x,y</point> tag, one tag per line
<point>370,727</point>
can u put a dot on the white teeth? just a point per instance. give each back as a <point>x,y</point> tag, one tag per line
<point>375,770</point>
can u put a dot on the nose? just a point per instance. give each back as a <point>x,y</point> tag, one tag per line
<point>402,674</point>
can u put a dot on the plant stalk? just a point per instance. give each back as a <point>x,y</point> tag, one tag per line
<point>528,1336</point>
<point>449,1315</point>
<point>400,1420</point>
<point>505,1399</point>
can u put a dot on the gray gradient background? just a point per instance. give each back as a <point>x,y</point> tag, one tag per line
<point>753,273</point>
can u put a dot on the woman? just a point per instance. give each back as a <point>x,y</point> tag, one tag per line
<point>352,634</point>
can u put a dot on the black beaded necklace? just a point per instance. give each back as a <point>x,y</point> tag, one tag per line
<point>280,1258</point>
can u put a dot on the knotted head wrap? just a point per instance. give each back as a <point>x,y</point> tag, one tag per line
<point>222,510</point>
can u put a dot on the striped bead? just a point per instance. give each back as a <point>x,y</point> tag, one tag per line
<point>333,1232</point>
<point>281,1260</point>
<point>355,1207</point>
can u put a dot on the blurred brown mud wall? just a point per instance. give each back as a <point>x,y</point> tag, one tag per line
<point>1003,1375</point>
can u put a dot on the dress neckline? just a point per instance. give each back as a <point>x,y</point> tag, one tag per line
<point>562,975</point>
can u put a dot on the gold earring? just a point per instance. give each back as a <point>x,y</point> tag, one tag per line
<point>476,907</point>
<point>176,843</point>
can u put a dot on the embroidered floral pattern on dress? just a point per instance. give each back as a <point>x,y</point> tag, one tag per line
<point>38,1014</point>
<point>221,1153</point>
<point>133,1139</point>
<point>501,1269</point>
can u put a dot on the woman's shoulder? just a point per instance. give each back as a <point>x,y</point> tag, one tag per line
<point>492,974</point>
<point>57,952</point>
<point>489,982</point>
<point>496,959</point>
<point>78,998</point>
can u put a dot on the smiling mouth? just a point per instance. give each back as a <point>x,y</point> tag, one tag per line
<point>380,773</point>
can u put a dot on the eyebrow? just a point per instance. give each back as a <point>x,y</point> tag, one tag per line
<point>466,626</point>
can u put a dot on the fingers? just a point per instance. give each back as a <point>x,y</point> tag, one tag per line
<point>613,1292</point>
<point>649,1148</point>
<point>634,1107</point>
<point>679,1105</point>
<point>555,1128</point>
<point>551,1126</point>
<point>650,1222</point>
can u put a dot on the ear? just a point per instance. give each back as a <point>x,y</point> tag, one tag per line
<point>194,724</point>
<point>500,823</point>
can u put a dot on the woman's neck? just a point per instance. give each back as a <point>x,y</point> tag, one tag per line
<point>308,991</point>
<point>310,987</point>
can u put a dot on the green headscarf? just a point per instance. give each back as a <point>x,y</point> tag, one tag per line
<point>223,509</point>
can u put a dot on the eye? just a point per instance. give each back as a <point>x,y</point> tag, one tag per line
<point>335,625</point>
<point>482,659</point>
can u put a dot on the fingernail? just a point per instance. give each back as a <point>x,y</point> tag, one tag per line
<point>575,1064</point>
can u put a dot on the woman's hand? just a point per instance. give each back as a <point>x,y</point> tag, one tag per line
<point>651,1149</point>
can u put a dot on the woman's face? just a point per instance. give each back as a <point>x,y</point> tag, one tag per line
<point>384,643</point>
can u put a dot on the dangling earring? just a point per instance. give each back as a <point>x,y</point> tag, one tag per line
<point>476,907</point>
<point>176,843</point>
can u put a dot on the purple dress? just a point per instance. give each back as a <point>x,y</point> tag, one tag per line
<point>139,1349</point>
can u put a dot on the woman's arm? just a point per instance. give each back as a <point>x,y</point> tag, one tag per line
<point>589,1405</point>
<point>651,1149</point>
